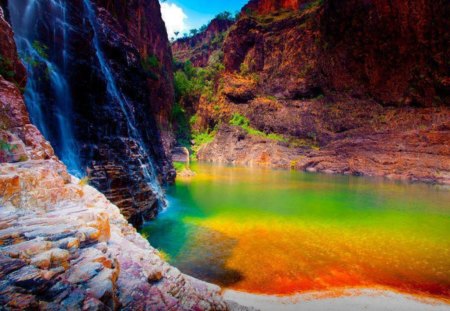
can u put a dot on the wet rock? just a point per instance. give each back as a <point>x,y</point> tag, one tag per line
<point>68,243</point>
<point>74,300</point>
<point>18,301</point>
<point>155,274</point>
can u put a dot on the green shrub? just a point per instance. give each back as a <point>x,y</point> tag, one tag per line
<point>183,129</point>
<point>182,84</point>
<point>191,83</point>
<point>200,139</point>
<point>180,166</point>
<point>243,122</point>
<point>193,119</point>
<point>6,148</point>
<point>239,120</point>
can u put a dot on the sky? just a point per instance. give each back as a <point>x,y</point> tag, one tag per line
<point>183,15</point>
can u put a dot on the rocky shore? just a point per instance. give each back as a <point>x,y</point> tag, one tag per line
<point>64,246</point>
<point>352,137</point>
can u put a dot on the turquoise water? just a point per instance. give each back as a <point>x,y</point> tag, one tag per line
<point>282,232</point>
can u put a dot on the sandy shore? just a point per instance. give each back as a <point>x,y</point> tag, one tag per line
<point>348,300</point>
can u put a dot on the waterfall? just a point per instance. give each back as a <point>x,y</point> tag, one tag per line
<point>115,94</point>
<point>43,33</point>
<point>47,80</point>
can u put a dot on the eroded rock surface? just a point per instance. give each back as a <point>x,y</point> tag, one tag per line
<point>63,245</point>
<point>343,137</point>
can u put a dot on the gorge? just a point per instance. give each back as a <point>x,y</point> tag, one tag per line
<point>316,141</point>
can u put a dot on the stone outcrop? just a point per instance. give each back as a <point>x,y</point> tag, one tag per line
<point>205,47</point>
<point>64,246</point>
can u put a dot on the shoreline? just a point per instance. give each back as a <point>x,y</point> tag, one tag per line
<point>355,299</point>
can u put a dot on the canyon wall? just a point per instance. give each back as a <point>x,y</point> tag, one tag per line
<point>395,52</point>
<point>353,87</point>
<point>100,89</point>
<point>63,245</point>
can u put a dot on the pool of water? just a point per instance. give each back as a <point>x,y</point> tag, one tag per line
<point>283,232</point>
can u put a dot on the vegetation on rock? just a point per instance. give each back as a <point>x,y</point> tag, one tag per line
<point>243,122</point>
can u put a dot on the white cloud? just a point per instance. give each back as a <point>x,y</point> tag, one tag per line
<point>174,17</point>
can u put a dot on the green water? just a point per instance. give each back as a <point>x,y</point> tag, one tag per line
<point>279,232</point>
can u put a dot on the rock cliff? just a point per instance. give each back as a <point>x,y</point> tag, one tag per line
<point>354,87</point>
<point>63,245</point>
<point>100,90</point>
<point>392,51</point>
<point>199,48</point>
<point>142,23</point>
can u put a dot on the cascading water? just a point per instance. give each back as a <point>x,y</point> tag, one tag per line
<point>47,80</point>
<point>56,49</point>
<point>115,94</point>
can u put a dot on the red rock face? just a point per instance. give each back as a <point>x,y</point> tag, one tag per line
<point>199,48</point>
<point>268,6</point>
<point>10,64</point>
<point>394,51</point>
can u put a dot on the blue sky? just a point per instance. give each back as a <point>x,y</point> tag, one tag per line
<point>183,15</point>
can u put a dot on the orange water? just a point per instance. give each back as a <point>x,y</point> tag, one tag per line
<point>281,232</point>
